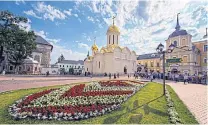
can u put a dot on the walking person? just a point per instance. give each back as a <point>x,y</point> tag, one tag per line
<point>151,77</point>
<point>176,77</point>
<point>109,75</point>
<point>185,79</point>
<point>114,76</point>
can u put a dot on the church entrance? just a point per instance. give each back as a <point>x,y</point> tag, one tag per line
<point>125,70</point>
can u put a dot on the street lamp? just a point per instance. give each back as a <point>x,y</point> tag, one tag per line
<point>160,50</point>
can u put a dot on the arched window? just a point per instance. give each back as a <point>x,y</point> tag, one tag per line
<point>113,39</point>
<point>109,39</point>
<point>99,64</point>
<point>175,43</point>
<point>37,58</point>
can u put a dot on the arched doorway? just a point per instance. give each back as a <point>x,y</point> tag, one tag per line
<point>174,70</point>
<point>125,70</point>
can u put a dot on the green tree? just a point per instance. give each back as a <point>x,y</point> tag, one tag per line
<point>22,45</point>
<point>71,71</point>
<point>8,25</point>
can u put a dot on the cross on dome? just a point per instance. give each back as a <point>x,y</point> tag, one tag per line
<point>113,19</point>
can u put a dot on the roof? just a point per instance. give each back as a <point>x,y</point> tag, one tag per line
<point>148,56</point>
<point>30,60</point>
<point>178,33</point>
<point>72,62</point>
<point>40,40</point>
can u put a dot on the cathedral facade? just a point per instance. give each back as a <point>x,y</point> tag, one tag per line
<point>111,58</point>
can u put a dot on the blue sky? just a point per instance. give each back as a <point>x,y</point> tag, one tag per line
<point>72,25</point>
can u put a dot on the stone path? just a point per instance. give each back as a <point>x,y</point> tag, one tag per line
<point>194,97</point>
<point>15,83</point>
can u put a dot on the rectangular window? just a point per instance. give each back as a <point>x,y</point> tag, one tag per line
<point>117,39</point>
<point>146,64</point>
<point>60,65</point>
<point>205,48</point>
<point>99,65</point>
<point>158,64</point>
<point>36,68</point>
<point>113,39</point>
<point>20,68</point>
<point>152,64</point>
<point>185,59</point>
<point>63,65</point>
<point>67,66</point>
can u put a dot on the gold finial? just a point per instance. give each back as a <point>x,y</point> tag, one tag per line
<point>113,19</point>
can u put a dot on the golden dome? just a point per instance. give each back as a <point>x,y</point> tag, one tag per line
<point>113,28</point>
<point>94,47</point>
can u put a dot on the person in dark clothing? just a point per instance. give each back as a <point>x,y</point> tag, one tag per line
<point>114,76</point>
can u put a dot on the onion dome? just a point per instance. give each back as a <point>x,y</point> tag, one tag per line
<point>114,29</point>
<point>94,47</point>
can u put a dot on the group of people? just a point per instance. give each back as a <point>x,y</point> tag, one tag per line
<point>186,78</point>
<point>114,75</point>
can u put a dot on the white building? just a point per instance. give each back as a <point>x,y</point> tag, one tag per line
<point>78,66</point>
<point>32,65</point>
<point>111,58</point>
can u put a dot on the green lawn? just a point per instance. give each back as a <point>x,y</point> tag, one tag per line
<point>146,106</point>
<point>183,112</point>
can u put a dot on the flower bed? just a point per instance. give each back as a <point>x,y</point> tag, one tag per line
<point>115,83</point>
<point>77,102</point>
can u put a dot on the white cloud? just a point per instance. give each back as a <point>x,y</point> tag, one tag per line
<point>83,46</point>
<point>68,53</point>
<point>32,13</point>
<point>49,12</point>
<point>75,15</point>
<point>89,39</point>
<point>90,19</point>
<point>18,2</point>
<point>68,12</point>
<point>25,26</point>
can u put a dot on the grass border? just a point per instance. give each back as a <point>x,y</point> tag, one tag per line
<point>184,114</point>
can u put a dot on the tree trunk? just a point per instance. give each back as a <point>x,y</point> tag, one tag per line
<point>1,53</point>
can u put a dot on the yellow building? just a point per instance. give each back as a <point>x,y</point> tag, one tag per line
<point>202,58</point>
<point>193,55</point>
<point>150,61</point>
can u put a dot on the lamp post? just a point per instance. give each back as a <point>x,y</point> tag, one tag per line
<point>160,50</point>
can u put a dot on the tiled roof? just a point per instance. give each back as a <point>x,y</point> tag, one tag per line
<point>40,40</point>
<point>178,33</point>
<point>148,56</point>
<point>72,62</point>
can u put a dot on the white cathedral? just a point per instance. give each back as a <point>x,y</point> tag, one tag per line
<point>111,58</point>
